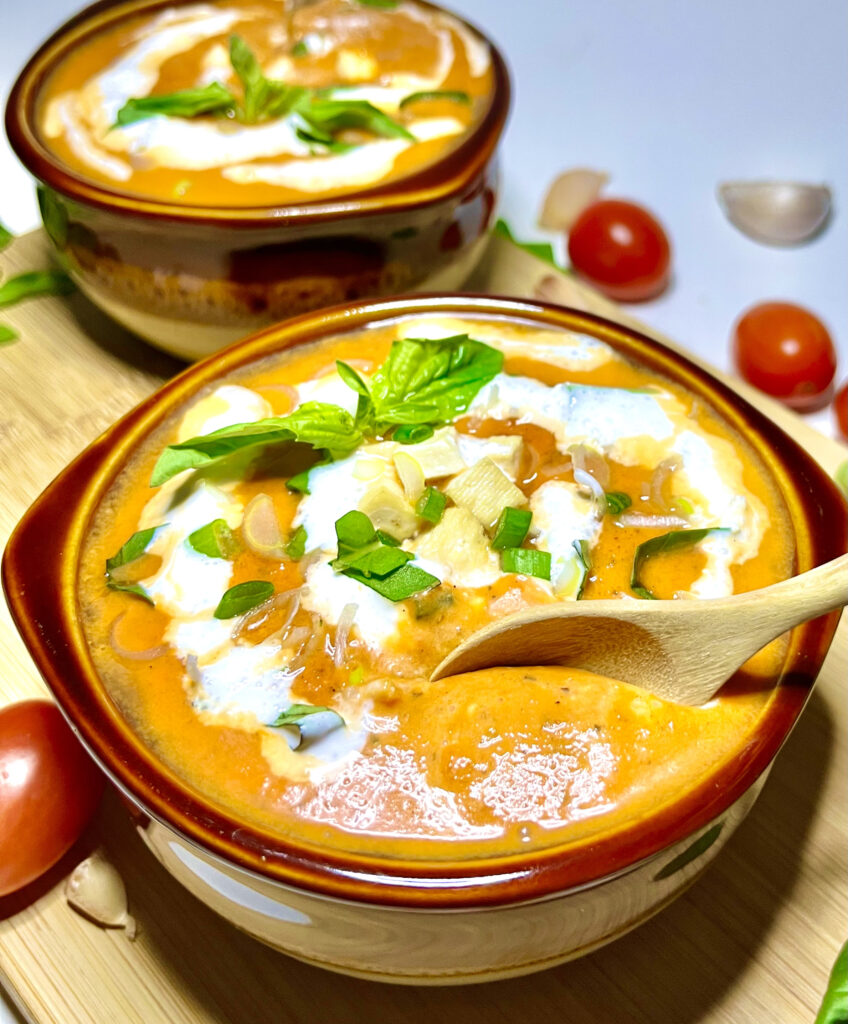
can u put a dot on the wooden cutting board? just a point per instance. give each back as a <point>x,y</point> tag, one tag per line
<point>751,943</point>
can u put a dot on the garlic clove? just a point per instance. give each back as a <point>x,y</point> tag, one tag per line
<point>569,195</point>
<point>775,212</point>
<point>96,890</point>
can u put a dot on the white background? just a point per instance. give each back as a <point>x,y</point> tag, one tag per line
<point>670,97</point>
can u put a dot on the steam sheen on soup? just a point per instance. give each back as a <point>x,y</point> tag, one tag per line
<point>262,103</point>
<point>273,605</point>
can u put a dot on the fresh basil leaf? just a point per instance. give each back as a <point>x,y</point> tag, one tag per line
<point>541,250</point>
<point>674,541</point>
<point>249,73</point>
<point>354,529</point>
<point>242,597</point>
<point>834,1007</point>
<point>6,235</point>
<point>296,713</point>
<point>399,585</point>
<point>130,551</point>
<point>352,379</point>
<point>387,538</point>
<point>213,98</point>
<point>215,540</point>
<point>33,283</point>
<point>321,142</point>
<point>431,382</point>
<point>617,501</point>
<point>319,424</point>
<point>454,95</point>
<point>335,115</point>
<point>296,546</point>
<point>7,334</point>
<point>379,562</point>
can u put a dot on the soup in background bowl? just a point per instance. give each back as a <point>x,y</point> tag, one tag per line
<point>262,564</point>
<point>209,168</point>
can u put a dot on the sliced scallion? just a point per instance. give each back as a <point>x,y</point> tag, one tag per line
<point>215,540</point>
<point>617,501</point>
<point>527,561</point>
<point>431,505</point>
<point>511,528</point>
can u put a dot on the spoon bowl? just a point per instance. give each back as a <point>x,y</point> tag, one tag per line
<point>682,651</point>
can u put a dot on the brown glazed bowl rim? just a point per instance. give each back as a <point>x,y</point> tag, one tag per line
<point>448,177</point>
<point>40,572</point>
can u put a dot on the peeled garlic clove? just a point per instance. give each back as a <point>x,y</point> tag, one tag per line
<point>775,212</point>
<point>96,890</point>
<point>568,197</point>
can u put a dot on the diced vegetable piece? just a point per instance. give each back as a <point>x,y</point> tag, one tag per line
<point>439,456</point>
<point>458,541</point>
<point>431,505</point>
<point>528,561</point>
<point>511,528</point>
<point>410,474</point>
<point>484,490</point>
<point>387,508</point>
<point>504,450</point>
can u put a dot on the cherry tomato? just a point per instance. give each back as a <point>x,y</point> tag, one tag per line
<point>840,407</point>
<point>49,789</point>
<point>621,249</point>
<point>785,350</point>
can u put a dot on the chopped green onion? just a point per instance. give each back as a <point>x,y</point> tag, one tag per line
<point>431,505</point>
<point>297,543</point>
<point>242,597</point>
<point>511,528</point>
<point>528,561</point>
<point>685,505</point>
<point>215,540</point>
<point>617,501</point>
<point>413,433</point>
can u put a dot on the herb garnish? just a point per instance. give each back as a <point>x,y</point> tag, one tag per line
<point>318,118</point>
<point>511,528</point>
<point>33,283</point>
<point>7,334</point>
<point>324,426</point>
<point>130,551</point>
<point>673,541</point>
<point>617,501</point>
<point>296,546</point>
<point>584,557</point>
<point>423,383</point>
<point>6,235</point>
<point>242,597</point>
<point>215,540</point>
<point>454,95</point>
<point>834,1007</point>
<point>373,558</point>
<point>295,714</point>
<point>528,561</point>
<point>431,505</point>
<point>541,250</point>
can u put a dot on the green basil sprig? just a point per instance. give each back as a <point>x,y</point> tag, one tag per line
<point>318,117</point>
<point>319,424</point>
<point>34,283</point>
<point>242,598</point>
<point>130,551</point>
<point>674,541</point>
<point>215,540</point>
<point>423,382</point>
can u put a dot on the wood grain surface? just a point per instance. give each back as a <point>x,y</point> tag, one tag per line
<point>751,943</point>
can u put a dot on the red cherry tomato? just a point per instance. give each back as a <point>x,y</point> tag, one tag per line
<point>840,407</point>
<point>621,249</point>
<point>49,788</point>
<point>785,350</point>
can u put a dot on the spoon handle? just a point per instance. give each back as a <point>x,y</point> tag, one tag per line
<point>800,598</point>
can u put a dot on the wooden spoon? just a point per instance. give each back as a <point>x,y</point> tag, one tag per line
<point>680,650</point>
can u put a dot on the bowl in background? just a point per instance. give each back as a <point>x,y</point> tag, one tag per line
<point>399,920</point>
<point>191,279</point>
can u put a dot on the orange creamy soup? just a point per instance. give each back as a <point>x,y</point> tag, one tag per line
<point>272,608</point>
<point>261,103</point>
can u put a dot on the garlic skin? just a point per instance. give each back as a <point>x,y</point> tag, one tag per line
<point>569,195</point>
<point>775,212</point>
<point>96,890</point>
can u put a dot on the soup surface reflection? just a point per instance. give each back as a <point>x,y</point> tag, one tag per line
<point>325,525</point>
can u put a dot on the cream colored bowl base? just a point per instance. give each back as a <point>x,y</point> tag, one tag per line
<point>192,340</point>
<point>437,947</point>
